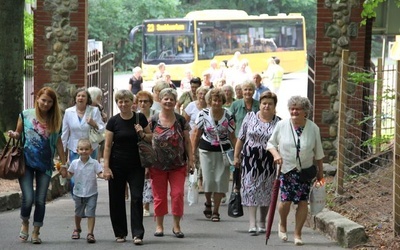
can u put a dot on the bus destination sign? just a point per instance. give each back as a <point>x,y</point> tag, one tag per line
<point>165,27</point>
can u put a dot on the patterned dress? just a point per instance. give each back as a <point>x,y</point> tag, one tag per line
<point>258,172</point>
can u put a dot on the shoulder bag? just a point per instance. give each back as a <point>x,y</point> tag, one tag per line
<point>146,152</point>
<point>12,159</point>
<point>94,135</point>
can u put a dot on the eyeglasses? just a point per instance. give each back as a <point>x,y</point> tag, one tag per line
<point>144,101</point>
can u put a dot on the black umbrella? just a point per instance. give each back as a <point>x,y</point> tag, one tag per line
<point>272,204</point>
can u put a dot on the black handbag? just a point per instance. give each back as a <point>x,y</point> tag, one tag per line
<point>308,174</point>
<point>146,152</point>
<point>235,208</point>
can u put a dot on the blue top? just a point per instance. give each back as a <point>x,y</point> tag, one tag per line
<point>39,144</point>
<point>259,91</point>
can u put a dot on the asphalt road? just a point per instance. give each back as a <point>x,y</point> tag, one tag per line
<point>200,233</point>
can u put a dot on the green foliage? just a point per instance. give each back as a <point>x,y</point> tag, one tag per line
<point>369,7</point>
<point>110,21</point>
<point>28,30</point>
<point>361,77</point>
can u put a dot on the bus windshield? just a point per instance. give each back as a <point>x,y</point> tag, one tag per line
<point>168,48</point>
<point>168,41</point>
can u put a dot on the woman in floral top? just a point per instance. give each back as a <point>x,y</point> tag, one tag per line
<point>171,141</point>
<point>214,126</point>
<point>40,131</point>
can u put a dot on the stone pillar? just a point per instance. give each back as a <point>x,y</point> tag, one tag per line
<point>338,28</point>
<point>60,46</point>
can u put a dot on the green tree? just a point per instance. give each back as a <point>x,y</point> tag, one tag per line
<point>11,61</point>
<point>110,21</point>
<point>369,8</point>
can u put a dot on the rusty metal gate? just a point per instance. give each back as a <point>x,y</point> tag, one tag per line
<point>101,74</point>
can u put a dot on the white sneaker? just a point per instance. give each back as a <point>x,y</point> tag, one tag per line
<point>146,213</point>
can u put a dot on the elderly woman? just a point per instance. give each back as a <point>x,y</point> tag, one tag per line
<point>145,100</point>
<point>241,107</point>
<point>136,81</point>
<point>160,85</point>
<point>190,114</point>
<point>77,122</point>
<point>171,141</point>
<point>122,165</point>
<point>188,96</point>
<point>255,161</point>
<point>214,129</point>
<point>229,93</point>
<point>295,144</point>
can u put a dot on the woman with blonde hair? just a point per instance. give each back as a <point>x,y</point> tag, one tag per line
<point>40,130</point>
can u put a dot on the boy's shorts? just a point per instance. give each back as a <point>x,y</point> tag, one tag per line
<point>85,206</point>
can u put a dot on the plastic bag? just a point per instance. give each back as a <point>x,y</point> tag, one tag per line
<point>193,190</point>
<point>317,197</point>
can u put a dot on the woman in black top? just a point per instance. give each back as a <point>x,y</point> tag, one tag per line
<point>122,165</point>
<point>136,81</point>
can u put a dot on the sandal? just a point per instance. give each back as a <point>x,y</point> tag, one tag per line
<point>23,236</point>
<point>215,217</point>
<point>36,240</point>
<point>137,241</point>
<point>76,234</point>
<point>120,239</point>
<point>207,212</point>
<point>90,238</point>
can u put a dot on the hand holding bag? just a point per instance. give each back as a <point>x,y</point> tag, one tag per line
<point>235,208</point>
<point>146,152</point>
<point>12,159</point>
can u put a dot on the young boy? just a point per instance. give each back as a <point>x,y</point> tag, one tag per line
<point>85,170</point>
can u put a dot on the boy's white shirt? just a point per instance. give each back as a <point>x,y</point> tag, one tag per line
<point>85,176</point>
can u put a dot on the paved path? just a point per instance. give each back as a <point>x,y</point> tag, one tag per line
<point>200,233</point>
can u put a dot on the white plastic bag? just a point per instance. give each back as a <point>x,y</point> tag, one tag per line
<point>63,181</point>
<point>317,197</point>
<point>193,190</point>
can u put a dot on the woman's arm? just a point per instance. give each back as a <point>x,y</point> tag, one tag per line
<point>61,151</point>
<point>18,130</point>
<point>95,120</point>
<point>238,150</point>
<point>188,150</point>
<point>65,131</point>
<point>196,139</point>
<point>107,174</point>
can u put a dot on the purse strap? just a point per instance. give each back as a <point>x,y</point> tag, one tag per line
<point>216,132</point>
<point>296,144</point>
<point>137,122</point>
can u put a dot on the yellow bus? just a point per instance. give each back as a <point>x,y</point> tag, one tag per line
<point>190,43</point>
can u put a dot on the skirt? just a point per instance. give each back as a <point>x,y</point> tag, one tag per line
<point>215,174</point>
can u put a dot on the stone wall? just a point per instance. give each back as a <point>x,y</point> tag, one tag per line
<point>60,46</point>
<point>338,28</point>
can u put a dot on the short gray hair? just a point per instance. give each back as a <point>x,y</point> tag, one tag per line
<point>168,91</point>
<point>122,94</point>
<point>302,102</point>
<point>94,93</point>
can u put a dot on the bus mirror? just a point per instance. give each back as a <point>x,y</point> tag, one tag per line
<point>133,32</point>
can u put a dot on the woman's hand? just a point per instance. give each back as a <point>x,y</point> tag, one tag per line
<point>91,122</point>
<point>107,174</point>
<point>236,162</point>
<point>13,134</point>
<point>139,130</point>
<point>278,160</point>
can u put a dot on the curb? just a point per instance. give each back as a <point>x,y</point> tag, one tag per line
<point>12,200</point>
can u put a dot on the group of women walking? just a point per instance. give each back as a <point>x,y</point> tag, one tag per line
<point>210,123</point>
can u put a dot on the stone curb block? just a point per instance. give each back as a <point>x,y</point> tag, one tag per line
<point>346,232</point>
<point>12,200</point>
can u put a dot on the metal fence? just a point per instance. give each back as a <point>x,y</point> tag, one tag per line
<point>101,74</point>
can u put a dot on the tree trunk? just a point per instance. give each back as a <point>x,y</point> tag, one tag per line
<point>11,61</point>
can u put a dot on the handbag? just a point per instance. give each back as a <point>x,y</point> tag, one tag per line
<point>317,197</point>
<point>235,208</point>
<point>12,159</point>
<point>146,152</point>
<point>94,135</point>
<point>305,174</point>
<point>193,189</point>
